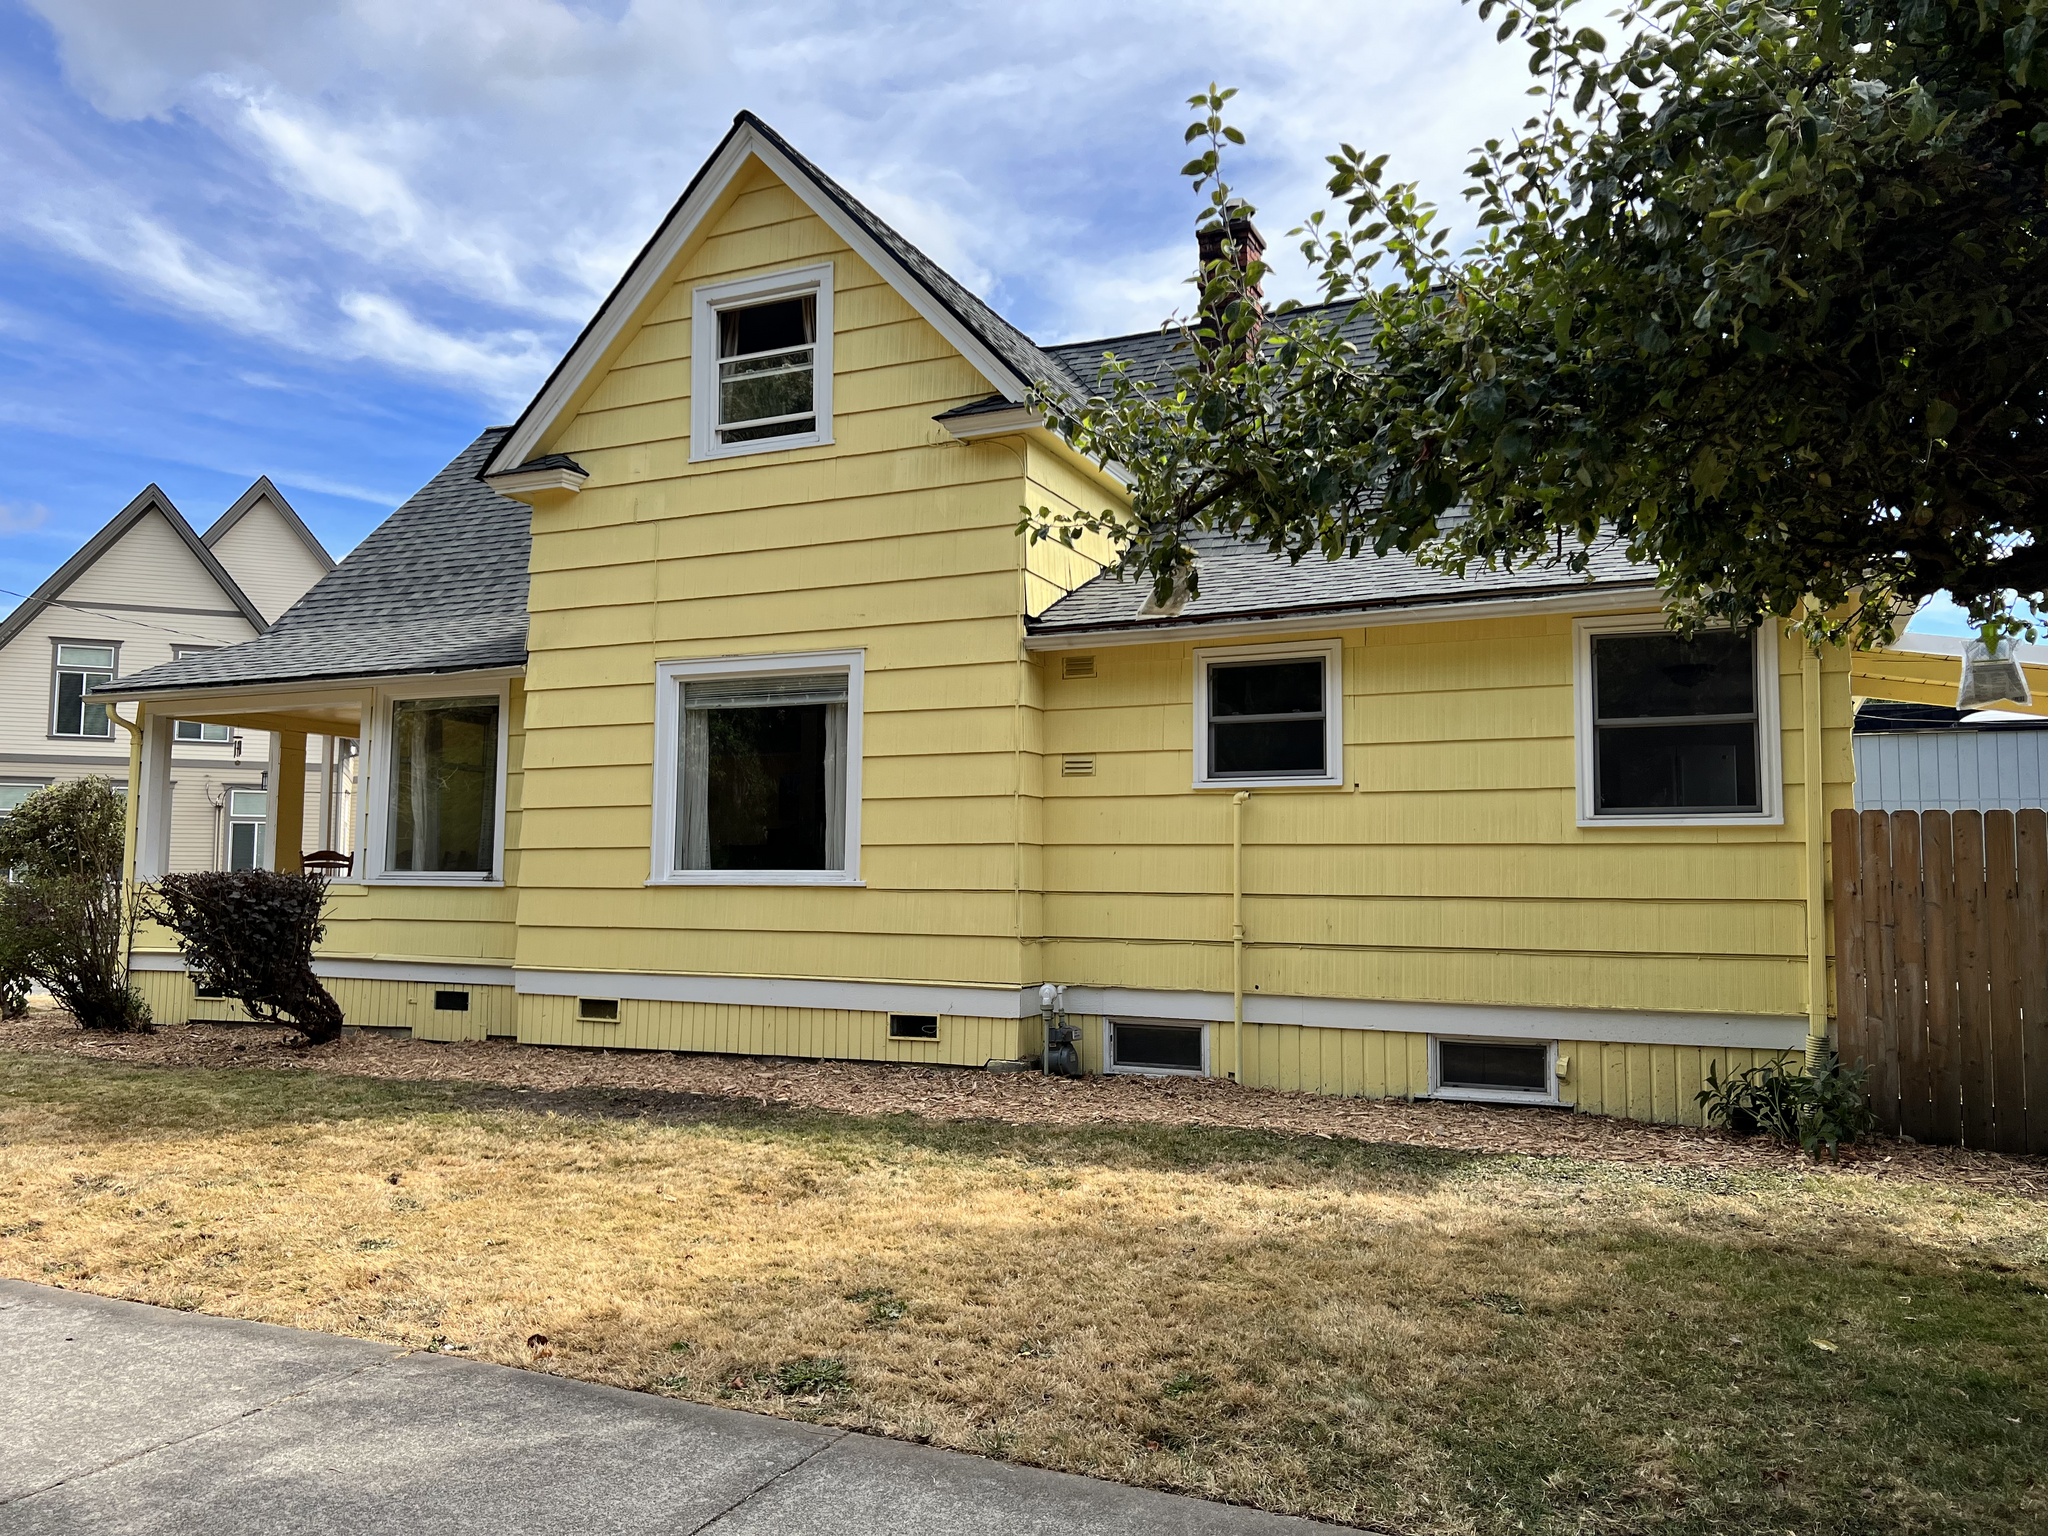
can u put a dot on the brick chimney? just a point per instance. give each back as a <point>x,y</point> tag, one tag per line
<point>1248,243</point>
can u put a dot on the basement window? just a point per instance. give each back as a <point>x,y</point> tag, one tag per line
<point>1510,1071</point>
<point>451,1002</point>
<point>597,1010</point>
<point>1269,715</point>
<point>1155,1046</point>
<point>762,364</point>
<point>913,1026</point>
<point>1675,729</point>
<point>765,757</point>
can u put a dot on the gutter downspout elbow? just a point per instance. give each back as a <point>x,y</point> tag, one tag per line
<point>1237,802</point>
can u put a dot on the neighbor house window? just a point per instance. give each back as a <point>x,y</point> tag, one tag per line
<point>762,372</point>
<point>1675,728</point>
<point>1503,1070</point>
<point>1269,715</point>
<point>81,668</point>
<point>441,807</point>
<point>247,809</point>
<point>765,762</point>
<point>11,796</point>
<point>196,730</point>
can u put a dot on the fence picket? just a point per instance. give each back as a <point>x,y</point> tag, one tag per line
<point>2033,932</point>
<point>1880,925</point>
<point>2008,1075</point>
<point>1852,969</point>
<point>1973,992</point>
<point>1909,978</point>
<point>1944,1055</point>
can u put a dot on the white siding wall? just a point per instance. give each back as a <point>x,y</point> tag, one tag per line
<point>268,560</point>
<point>1952,770</point>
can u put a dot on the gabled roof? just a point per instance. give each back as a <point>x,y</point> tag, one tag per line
<point>439,586</point>
<point>1245,582</point>
<point>1006,357</point>
<point>152,499</point>
<point>263,490</point>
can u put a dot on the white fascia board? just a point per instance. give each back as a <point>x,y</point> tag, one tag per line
<point>1018,418</point>
<point>1451,611</point>
<point>512,482</point>
<point>639,286</point>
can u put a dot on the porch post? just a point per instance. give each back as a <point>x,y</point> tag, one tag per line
<point>287,805</point>
<point>1816,816</point>
<point>150,791</point>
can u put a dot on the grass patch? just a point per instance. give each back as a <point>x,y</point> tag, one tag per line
<point>1428,1341</point>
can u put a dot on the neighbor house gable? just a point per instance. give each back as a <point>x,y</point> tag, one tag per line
<point>271,552</point>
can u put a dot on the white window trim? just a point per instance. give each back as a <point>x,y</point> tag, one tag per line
<point>669,677</point>
<point>1770,768</point>
<point>1492,1095</point>
<point>1110,1069</point>
<point>373,787</point>
<point>1332,652</point>
<point>705,303</point>
<point>57,644</point>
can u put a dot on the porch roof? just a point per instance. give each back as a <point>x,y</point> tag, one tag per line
<point>439,586</point>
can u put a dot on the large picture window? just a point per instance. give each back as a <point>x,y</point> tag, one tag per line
<point>1269,715</point>
<point>1675,728</point>
<point>765,762</point>
<point>761,375</point>
<point>81,668</point>
<point>442,801</point>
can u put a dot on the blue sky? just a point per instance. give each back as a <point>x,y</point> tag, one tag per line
<point>329,242</point>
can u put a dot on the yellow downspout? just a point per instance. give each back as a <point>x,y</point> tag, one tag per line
<point>1237,928</point>
<point>1815,796</point>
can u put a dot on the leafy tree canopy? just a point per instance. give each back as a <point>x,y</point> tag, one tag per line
<point>1762,288</point>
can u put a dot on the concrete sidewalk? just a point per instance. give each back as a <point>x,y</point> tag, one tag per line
<point>117,1418</point>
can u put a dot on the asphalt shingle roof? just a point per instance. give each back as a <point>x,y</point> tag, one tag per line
<point>1244,581</point>
<point>440,586</point>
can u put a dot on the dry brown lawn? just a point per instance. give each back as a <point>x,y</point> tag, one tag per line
<point>1410,1338</point>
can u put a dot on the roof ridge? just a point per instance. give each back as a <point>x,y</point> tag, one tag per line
<point>264,490</point>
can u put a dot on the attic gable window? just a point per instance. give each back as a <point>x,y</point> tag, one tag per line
<point>79,670</point>
<point>1676,730</point>
<point>761,372</point>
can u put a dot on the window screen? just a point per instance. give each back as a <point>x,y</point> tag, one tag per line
<point>81,668</point>
<point>1494,1064</point>
<point>766,366</point>
<point>1159,1047</point>
<point>762,781</point>
<point>444,786</point>
<point>1266,719</point>
<point>1675,724</point>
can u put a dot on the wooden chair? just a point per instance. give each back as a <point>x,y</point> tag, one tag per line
<point>328,863</point>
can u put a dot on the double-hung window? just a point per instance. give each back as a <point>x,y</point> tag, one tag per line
<point>761,376</point>
<point>758,777</point>
<point>1269,714</point>
<point>247,811</point>
<point>79,669</point>
<point>1675,729</point>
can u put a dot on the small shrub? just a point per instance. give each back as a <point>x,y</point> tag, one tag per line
<point>251,933</point>
<point>64,921</point>
<point>1816,1110</point>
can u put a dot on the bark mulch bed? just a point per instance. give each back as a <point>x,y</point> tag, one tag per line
<point>611,1081</point>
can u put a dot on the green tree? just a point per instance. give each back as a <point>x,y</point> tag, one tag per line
<point>63,920</point>
<point>1760,290</point>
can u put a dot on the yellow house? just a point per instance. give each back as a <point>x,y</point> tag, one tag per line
<point>715,705</point>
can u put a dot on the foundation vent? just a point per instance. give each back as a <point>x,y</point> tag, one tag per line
<point>1077,767</point>
<point>1077,666</point>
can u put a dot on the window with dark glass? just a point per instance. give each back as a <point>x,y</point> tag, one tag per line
<point>443,803</point>
<point>81,668</point>
<point>762,781</point>
<point>766,363</point>
<point>247,809</point>
<point>1675,724</point>
<point>1156,1047</point>
<point>1494,1065</point>
<point>1266,719</point>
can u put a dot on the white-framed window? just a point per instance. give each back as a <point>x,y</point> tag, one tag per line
<point>78,667</point>
<point>761,364</point>
<point>757,770</point>
<point>1269,715</point>
<point>247,809</point>
<point>1155,1047</point>
<point>435,810</point>
<point>197,730</point>
<point>1676,732</point>
<point>1493,1071</point>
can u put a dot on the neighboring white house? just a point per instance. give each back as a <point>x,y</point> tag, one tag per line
<point>145,590</point>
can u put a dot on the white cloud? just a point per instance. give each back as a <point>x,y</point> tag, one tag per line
<point>22,518</point>
<point>502,366</point>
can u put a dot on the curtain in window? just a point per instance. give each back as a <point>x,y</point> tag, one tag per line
<point>835,786</point>
<point>693,827</point>
<point>704,697</point>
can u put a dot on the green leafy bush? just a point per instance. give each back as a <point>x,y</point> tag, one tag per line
<point>251,933</point>
<point>1816,1110</point>
<point>63,920</point>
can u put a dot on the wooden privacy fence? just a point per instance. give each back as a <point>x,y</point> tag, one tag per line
<point>1941,971</point>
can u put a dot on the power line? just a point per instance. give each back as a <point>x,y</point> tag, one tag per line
<point>123,618</point>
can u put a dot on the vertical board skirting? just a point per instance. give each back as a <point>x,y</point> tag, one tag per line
<point>1942,971</point>
<point>365,1004</point>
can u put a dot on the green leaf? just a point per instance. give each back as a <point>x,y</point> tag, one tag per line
<point>1941,418</point>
